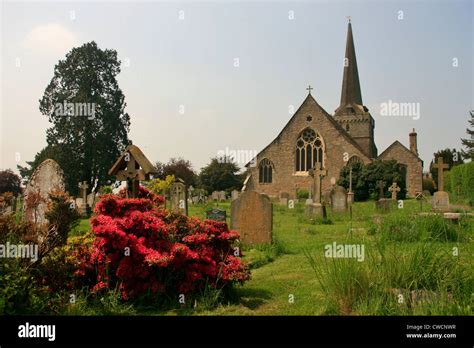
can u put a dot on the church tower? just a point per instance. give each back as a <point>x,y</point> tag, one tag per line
<point>351,114</point>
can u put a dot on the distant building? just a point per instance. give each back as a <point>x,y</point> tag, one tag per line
<point>312,135</point>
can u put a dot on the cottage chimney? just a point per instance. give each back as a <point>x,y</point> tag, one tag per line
<point>413,142</point>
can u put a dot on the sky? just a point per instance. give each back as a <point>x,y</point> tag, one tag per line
<point>204,77</point>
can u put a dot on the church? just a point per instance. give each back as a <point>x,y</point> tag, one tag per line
<point>314,136</point>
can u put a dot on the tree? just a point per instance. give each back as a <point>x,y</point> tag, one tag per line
<point>220,175</point>
<point>87,109</point>
<point>366,177</point>
<point>450,157</point>
<point>468,143</point>
<point>10,182</point>
<point>179,168</point>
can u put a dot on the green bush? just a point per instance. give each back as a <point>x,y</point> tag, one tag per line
<point>366,177</point>
<point>461,180</point>
<point>428,184</point>
<point>302,194</point>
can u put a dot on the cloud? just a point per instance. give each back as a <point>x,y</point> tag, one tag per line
<point>50,38</point>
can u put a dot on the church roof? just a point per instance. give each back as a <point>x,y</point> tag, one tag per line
<point>336,125</point>
<point>399,144</point>
<point>351,96</point>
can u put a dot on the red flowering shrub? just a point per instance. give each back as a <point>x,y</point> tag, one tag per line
<point>143,248</point>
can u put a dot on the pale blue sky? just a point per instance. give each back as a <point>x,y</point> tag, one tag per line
<point>190,62</point>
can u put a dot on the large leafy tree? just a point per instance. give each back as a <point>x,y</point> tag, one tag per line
<point>178,167</point>
<point>452,157</point>
<point>220,175</point>
<point>89,143</point>
<point>10,182</point>
<point>468,143</point>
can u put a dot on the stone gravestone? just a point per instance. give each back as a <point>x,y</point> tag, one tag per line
<point>216,214</point>
<point>339,199</point>
<point>85,207</point>
<point>394,189</point>
<point>234,195</point>
<point>195,200</point>
<point>46,178</point>
<point>179,201</point>
<point>215,196</point>
<point>222,196</point>
<point>316,208</point>
<point>252,218</point>
<point>383,204</point>
<point>91,199</point>
<point>440,197</point>
<point>284,197</point>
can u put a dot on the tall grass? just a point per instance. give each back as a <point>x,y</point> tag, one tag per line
<point>423,279</point>
<point>406,228</point>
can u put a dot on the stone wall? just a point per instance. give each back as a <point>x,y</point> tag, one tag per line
<point>414,164</point>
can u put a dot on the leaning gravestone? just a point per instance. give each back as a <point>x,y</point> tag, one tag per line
<point>46,178</point>
<point>216,214</point>
<point>339,199</point>
<point>252,217</point>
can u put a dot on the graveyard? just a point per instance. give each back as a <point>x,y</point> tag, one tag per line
<point>284,283</point>
<point>148,246</point>
<point>173,169</point>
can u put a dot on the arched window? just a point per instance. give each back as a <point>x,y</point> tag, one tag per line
<point>309,150</point>
<point>353,160</point>
<point>265,171</point>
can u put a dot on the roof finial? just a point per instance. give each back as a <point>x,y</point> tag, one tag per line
<point>348,18</point>
<point>309,89</point>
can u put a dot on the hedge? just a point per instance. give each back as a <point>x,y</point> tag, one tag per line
<point>461,178</point>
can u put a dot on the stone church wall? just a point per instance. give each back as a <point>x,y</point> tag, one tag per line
<point>414,167</point>
<point>282,152</point>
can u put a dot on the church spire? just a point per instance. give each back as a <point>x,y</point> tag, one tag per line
<point>351,98</point>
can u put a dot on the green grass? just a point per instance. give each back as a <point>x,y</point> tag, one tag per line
<point>404,255</point>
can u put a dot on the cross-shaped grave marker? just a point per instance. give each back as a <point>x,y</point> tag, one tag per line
<point>440,166</point>
<point>394,189</point>
<point>317,173</point>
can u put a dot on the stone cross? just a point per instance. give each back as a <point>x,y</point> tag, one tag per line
<point>394,189</point>
<point>440,166</point>
<point>317,174</point>
<point>309,89</point>
<point>380,186</point>
<point>84,186</point>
